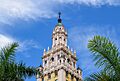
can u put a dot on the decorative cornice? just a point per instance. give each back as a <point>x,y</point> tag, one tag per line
<point>63,48</point>
<point>58,32</point>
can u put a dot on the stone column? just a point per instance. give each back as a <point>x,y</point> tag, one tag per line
<point>61,75</point>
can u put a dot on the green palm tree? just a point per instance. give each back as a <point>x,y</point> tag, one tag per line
<point>9,69</point>
<point>107,57</point>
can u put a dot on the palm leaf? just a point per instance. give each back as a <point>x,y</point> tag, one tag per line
<point>7,54</point>
<point>102,76</point>
<point>106,56</point>
<point>9,69</point>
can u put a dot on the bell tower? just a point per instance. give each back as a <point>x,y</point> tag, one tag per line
<point>59,62</point>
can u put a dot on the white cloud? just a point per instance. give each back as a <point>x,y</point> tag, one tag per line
<point>5,40</point>
<point>28,45</point>
<point>24,46</point>
<point>92,2</point>
<point>10,10</point>
<point>79,36</point>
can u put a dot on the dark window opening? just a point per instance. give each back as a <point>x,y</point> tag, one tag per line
<point>49,76</point>
<point>63,60</point>
<point>52,59</point>
<point>77,72</point>
<point>72,77</point>
<point>60,37</point>
<point>66,73</point>
<point>68,60</point>
<point>60,61</point>
<point>58,57</point>
<point>45,61</point>
<point>74,64</point>
<point>77,79</point>
<point>56,73</point>
<point>42,79</point>
<point>55,38</point>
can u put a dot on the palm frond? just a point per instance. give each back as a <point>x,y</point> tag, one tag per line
<point>9,69</point>
<point>25,71</point>
<point>102,76</point>
<point>7,53</point>
<point>105,54</point>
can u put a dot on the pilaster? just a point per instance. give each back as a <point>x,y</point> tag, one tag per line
<point>61,75</point>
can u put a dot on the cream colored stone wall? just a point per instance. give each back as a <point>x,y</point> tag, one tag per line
<point>66,61</point>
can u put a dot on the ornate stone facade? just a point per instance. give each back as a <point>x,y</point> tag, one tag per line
<point>59,62</point>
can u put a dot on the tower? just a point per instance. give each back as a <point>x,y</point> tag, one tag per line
<point>59,62</point>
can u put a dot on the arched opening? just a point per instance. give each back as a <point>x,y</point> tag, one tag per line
<point>55,38</point>
<point>52,59</point>
<point>68,60</point>
<point>60,61</point>
<point>45,61</point>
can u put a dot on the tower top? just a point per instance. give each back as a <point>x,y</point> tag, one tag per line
<point>59,19</point>
<point>59,14</point>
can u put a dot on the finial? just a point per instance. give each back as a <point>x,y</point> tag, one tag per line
<point>44,50</point>
<point>68,47</point>
<point>74,52</point>
<point>59,19</point>
<point>48,48</point>
<point>71,50</point>
<point>59,14</point>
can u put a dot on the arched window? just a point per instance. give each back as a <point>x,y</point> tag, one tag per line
<point>56,73</point>
<point>73,64</point>
<point>52,59</point>
<point>58,57</point>
<point>72,77</point>
<point>66,73</point>
<point>45,61</point>
<point>68,60</point>
<point>77,79</point>
<point>64,60</point>
<point>55,38</point>
<point>60,37</point>
<point>42,79</point>
<point>60,61</point>
<point>49,76</point>
<point>60,28</point>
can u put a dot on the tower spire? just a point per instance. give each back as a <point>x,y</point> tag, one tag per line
<point>59,14</point>
<point>59,19</point>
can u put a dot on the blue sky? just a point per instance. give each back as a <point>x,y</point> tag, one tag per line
<point>31,22</point>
